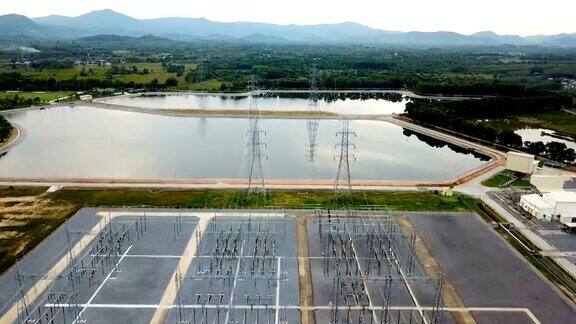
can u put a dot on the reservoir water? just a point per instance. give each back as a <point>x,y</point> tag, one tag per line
<point>85,142</point>
<point>541,135</point>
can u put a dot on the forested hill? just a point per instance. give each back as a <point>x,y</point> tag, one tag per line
<point>193,29</point>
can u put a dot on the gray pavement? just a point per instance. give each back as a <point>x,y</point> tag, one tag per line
<point>485,270</point>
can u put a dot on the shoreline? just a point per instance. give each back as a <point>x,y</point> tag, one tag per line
<point>15,134</point>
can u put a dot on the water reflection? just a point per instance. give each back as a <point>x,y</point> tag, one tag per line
<point>365,104</point>
<point>542,135</point>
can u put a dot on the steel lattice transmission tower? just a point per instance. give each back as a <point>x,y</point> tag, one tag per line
<point>255,146</point>
<point>200,72</point>
<point>312,123</point>
<point>344,136</point>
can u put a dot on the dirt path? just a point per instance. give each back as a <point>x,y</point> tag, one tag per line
<point>304,274</point>
<point>433,269</point>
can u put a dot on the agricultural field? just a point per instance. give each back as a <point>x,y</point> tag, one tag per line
<point>138,72</point>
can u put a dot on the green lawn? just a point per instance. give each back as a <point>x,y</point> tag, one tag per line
<point>44,96</point>
<point>399,201</point>
<point>503,179</point>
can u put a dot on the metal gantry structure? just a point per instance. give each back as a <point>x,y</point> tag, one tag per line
<point>88,267</point>
<point>245,252</point>
<point>368,258</point>
<point>344,144</point>
<point>255,145</point>
<point>312,123</point>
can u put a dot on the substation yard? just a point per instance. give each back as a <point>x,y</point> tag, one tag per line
<point>190,266</point>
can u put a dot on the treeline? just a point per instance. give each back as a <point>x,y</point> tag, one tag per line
<point>479,87</point>
<point>553,150</point>
<point>52,64</point>
<point>497,107</point>
<point>5,129</point>
<point>465,117</point>
<point>16,101</point>
<point>504,71</point>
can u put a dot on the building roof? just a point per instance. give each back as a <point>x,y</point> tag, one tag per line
<point>537,201</point>
<point>561,196</point>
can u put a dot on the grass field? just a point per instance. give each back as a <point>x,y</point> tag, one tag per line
<point>21,191</point>
<point>409,201</point>
<point>156,71</point>
<point>559,121</point>
<point>503,179</point>
<point>25,222</point>
<point>44,96</point>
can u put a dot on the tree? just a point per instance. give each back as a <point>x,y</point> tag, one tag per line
<point>559,152</point>
<point>509,138</point>
<point>5,129</point>
<point>536,148</point>
<point>171,82</point>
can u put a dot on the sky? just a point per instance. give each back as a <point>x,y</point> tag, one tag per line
<point>522,17</point>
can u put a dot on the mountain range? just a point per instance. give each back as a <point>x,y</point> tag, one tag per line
<point>108,22</point>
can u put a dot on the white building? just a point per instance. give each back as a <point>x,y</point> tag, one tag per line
<point>558,205</point>
<point>536,206</point>
<point>520,162</point>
